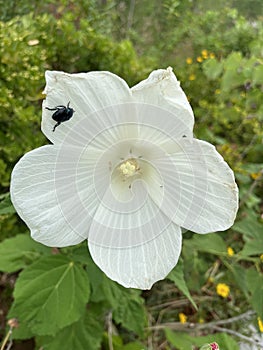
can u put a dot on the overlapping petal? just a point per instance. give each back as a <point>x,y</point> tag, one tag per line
<point>140,266</point>
<point>57,205</point>
<point>162,89</point>
<point>86,92</point>
<point>200,193</point>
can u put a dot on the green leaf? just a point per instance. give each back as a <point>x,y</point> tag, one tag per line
<point>252,231</point>
<point>239,273</point>
<point>212,68</point>
<point>131,315</point>
<point>233,75</point>
<point>177,276</point>
<point>258,74</point>
<point>209,243</point>
<point>183,341</point>
<point>6,206</point>
<point>22,332</point>
<point>249,226</point>
<point>127,304</point>
<point>179,340</point>
<point>253,246</point>
<point>85,334</point>
<point>20,251</point>
<point>134,346</point>
<point>50,294</point>
<point>255,286</point>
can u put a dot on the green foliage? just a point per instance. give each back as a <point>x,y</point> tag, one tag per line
<point>6,206</point>
<point>61,298</point>
<point>18,252</point>
<point>29,45</point>
<point>84,334</point>
<point>177,276</point>
<point>50,294</point>
<point>183,341</point>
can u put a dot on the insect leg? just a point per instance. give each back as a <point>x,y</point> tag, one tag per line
<point>58,123</point>
<point>52,109</point>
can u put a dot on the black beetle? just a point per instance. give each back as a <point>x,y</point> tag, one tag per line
<point>62,114</point>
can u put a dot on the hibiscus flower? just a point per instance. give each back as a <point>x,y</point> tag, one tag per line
<point>124,172</point>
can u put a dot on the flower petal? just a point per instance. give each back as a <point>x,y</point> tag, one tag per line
<point>127,222</point>
<point>162,89</point>
<point>86,92</point>
<point>200,193</point>
<point>56,204</point>
<point>140,266</point>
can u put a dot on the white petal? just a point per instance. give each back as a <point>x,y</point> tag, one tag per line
<point>162,89</point>
<point>86,92</point>
<point>54,196</point>
<point>129,223</point>
<point>200,193</point>
<point>140,266</point>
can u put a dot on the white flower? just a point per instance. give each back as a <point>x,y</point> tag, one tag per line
<point>124,172</point>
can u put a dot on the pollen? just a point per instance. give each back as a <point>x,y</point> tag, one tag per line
<point>129,167</point>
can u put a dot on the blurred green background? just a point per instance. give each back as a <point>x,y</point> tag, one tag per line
<point>216,51</point>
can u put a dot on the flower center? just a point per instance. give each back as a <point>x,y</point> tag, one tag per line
<point>129,168</point>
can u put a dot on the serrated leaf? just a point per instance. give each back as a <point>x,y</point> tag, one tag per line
<point>177,276</point>
<point>85,334</point>
<point>6,206</point>
<point>131,315</point>
<point>22,332</point>
<point>183,341</point>
<point>19,251</point>
<point>50,294</point>
<point>127,304</point>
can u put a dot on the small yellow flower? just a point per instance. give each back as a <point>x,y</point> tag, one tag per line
<point>192,77</point>
<point>201,320</point>
<point>204,54</point>
<point>199,59</point>
<point>260,324</point>
<point>212,55</point>
<point>189,60</point>
<point>230,251</point>
<point>217,91</point>
<point>261,257</point>
<point>256,176</point>
<point>182,317</point>
<point>223,290</point>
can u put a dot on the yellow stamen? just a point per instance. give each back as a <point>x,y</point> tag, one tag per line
<point>129,167</point>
